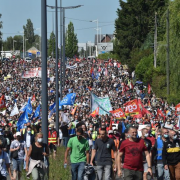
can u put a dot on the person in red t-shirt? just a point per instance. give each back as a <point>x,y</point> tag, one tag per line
<point>133,149</point>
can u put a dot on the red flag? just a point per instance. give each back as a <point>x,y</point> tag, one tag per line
<point>94,113</point>
<point>160,113</point>
<point>110,126</point>
<point>177,108</point>
<point>78,60</point>
<point>2,103</point>
<point>91,71</point>
<point>149,89</point>
<point>132,108</point>
<point>33,98</point>
<point>118,113</point>
<point>131,86</point>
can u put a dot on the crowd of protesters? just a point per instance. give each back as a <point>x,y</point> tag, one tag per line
<point>134,147</point>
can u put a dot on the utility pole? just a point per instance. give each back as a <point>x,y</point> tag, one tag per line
<point>167,63</point>
<point>57,74</point>
<point>64,68</point>
<point>61,42</point>
<point>44,71</point>
<point>155,41</point>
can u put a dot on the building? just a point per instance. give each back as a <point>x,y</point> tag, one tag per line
<point>104,38</point>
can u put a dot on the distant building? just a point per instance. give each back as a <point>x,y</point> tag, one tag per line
<point>104,38</point>
<point>33,51</point>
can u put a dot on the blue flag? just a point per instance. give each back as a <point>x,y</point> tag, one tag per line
<point>52,106</point>
<point>37,112</point>
<point>22,120</point>
<point>28,107</point>
<point>60,107</point>
<point>123,127</point>
<point>68,99</point>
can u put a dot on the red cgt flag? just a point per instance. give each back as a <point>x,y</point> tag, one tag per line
<point>2,103</point>
<point>118,113</point>
<point>132,108</point>
<point>95,112</point>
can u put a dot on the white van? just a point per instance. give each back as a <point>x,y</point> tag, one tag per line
<point>28,59</point>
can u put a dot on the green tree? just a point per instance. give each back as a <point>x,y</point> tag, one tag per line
<point>51,45</point>
<point>8,44</point>
<point>29,33</point>
<point>134,23</point>
<point>71,41</point>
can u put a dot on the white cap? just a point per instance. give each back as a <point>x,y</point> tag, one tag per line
<point>18,134</point>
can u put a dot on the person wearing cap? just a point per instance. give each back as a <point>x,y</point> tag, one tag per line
<point>18,146</point>
<point>171,155</point>
<point>5,164</point>
<point>52,139</point>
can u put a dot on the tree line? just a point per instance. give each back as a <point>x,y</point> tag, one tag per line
<point>134,43</point>
<point>31,39</point>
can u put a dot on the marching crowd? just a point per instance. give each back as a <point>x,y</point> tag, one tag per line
<point>137,143</point>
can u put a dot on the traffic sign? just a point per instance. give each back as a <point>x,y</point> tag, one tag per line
<point>38,53</point>
<point>29,54</point>
<point>14,56</point>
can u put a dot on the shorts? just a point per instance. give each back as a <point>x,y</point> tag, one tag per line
<point>18,164</point>
<point>52,147</point>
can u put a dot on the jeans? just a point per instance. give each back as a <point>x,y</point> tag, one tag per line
<point>132,175</point>
<point>38,173</point>
<point>107,169</point>
<point>77,170</point>
<point>65,141</point>
<point>163,174</point>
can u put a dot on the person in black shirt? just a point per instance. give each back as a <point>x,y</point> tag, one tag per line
<point>171,155</point>
<point>149,147</point>
<point>103,147</point>
<point>64,129</point>
<point>38,153</point>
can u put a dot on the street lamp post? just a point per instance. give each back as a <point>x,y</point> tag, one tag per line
<point>44,70</point>
<point>13,45</point>
<point>97,35</point>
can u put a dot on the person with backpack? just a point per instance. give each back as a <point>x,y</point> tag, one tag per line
<point>18,150</point>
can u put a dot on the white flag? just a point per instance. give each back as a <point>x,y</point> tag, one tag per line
<point>14,110</point>
<point>64,118</point>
